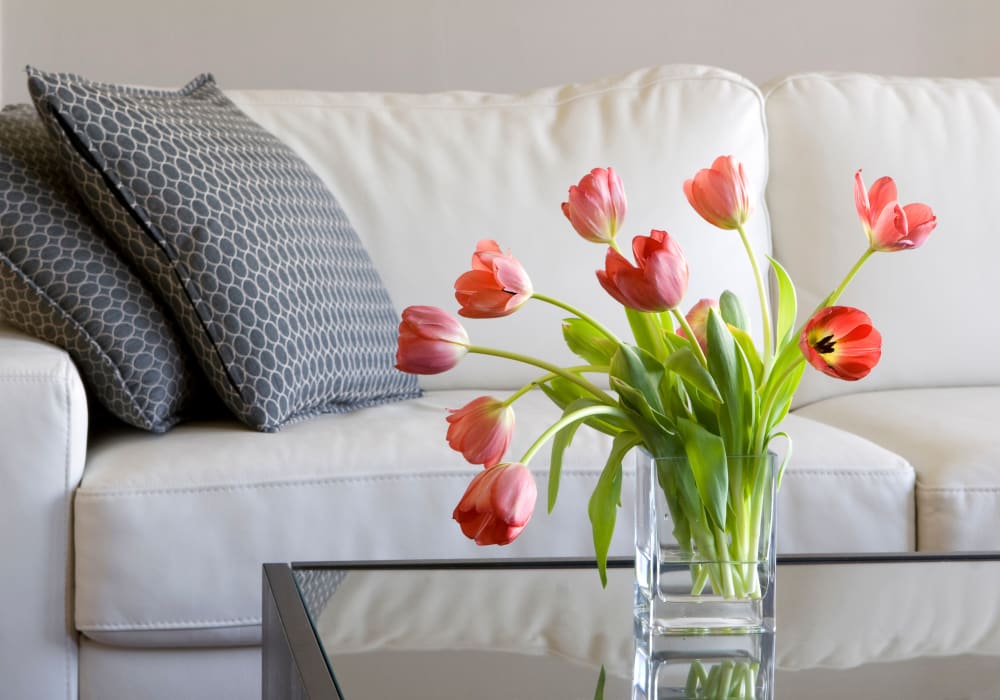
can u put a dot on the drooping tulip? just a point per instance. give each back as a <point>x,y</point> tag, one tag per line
<point>497,284</point>
<point>842,342</point>
<point>497,504</point>
<point>889,226</point>
<point>720,193</point>
<point>658,280</point>
<point>481,430</point>
<point>697,318</point>
<point>431,341</point>
<point>596,206</point>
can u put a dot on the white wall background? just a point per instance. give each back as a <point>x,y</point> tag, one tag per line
<point>494,45</point>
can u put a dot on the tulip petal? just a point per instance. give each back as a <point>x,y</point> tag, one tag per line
<point>882,194</point>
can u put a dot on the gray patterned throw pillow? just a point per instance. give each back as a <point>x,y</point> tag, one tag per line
<point>251,252</point>
<point>61,281</point>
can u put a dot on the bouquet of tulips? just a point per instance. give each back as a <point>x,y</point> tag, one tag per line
<point>690,385</point>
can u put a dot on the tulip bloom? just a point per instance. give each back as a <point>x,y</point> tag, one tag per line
<point>889,226</point>
<point>719,194</point>
<point>496,285</point>
<point>497,505</point>
<point>656,283</point>
<point>596,207</point>
<point>431,341</point>
<point>481,430</point>
<point>840,341</point>
<point>697,318</point>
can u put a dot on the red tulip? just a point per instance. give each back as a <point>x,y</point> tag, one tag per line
<point>496,285</point>
<point>719,194</point>
<point>840,341</point>
<point>889,226</point>
<point>596,206</point>
<point>481,430</point>
<point>498,504</point>
<point>697,318</point>
<point>657,282</point>
<point>431,341</point>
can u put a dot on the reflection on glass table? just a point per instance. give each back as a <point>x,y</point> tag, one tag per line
<point>920,628</point>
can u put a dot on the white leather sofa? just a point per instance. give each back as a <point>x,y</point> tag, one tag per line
<point>133,561</point>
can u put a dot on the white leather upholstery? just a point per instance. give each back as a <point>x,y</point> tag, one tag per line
<point>939,140</point>
<point>192,520</point>
<point>114,673</point>
<point>950,437</point>
<point>43,433</point>
<point>423,177</point>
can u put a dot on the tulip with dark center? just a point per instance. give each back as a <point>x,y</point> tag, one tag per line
<point>842,342</point>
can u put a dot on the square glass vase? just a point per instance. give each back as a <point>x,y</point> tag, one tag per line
<point>704,545</point>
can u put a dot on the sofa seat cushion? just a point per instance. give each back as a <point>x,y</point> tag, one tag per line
<point>171,531</point>
<point>950,438</point>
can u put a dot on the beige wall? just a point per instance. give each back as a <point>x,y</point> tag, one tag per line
<point>498,45</point>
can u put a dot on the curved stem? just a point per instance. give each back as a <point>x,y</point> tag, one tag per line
<point>692,340</point>
<point>835,294</point>
<point>567,420</point>
<point>548,367</point>
<point>579,314</point>
<point>602,369</point>
<point>765,309</point>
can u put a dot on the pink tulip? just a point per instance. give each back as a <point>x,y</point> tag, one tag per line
<point>498,504</point>
<point>431,341</point>
<point>842,342</point>
<point>596,207</point>
<point>481,430</point>
<point>496,285</point>
<point>720,194</point>
<point>656,283</point>
<point>697,318</point>
<point>889,226</point>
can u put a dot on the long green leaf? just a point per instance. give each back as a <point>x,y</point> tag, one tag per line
<point>723,364</point>
<point>583,339</point>
<point>686,364</point>
<point>787,303</point>
<point>603,506</point>
<point>560,442</point>
<point>639,370</point>
<point>746,344</point>
<point>733,312</point>
<point>706,454</point>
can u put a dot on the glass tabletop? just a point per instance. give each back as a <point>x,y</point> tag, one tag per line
<point>879,627</point>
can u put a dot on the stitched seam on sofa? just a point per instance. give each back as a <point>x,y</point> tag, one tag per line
<point>888,80</point>
<point>751,89</point>
<point>30,377</point>
<point>184,624</point>
<point>105,360</point>
<point>309,483</point>
<point>67,505</point>
<point>958,489</point>
<point>854,474</point>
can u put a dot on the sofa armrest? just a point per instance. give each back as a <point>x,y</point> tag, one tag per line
<point>43,439</point>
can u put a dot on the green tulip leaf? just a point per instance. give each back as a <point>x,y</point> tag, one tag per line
<point>706,453</point>
<point>787,303</point>
<point>561,441</point>
<point>687,365</point>
<point>586,341</point>
<point>746,344</point>
<point>733,312</point>
<point>724,365</point>
<point>604,502</point>
<point>640,371</point>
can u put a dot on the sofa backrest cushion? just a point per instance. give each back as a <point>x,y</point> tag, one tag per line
<point>268,281</point>
<point>940,140</point>
<point>423,177</point>
<point>63,283</point>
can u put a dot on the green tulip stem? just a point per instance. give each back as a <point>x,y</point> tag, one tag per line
<point>692,340</point>
<point>579,314</point>
<point>599,369</point>
<point>762,297</point>
<point>568,419</point>
<point>548,367</point>
<point>835,294</point>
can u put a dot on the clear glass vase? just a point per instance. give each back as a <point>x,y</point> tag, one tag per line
<point>704,545</point>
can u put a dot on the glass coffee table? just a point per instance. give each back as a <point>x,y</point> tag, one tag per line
<point>920,627</point>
